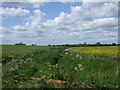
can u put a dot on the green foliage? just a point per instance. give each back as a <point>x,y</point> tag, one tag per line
<point>20,63</point>
<point>21,43</point>
<point>98,43</point>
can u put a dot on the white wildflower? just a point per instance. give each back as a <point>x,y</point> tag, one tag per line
<point>50,69</point>
<point>55,66</point>
<point>75,68</point>
<point>81,69</point>
<point>80,65</point>
<point>43,76</point>
<point>77,55</point>
<point>60,72</point>
<point>66,49</point>
<point>49,65</point>
<point>80,57</point>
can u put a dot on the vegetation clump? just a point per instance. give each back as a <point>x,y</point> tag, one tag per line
<point>80,67</point>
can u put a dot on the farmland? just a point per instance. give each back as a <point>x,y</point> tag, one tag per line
<point>109,50</point>
<point>81,67</point>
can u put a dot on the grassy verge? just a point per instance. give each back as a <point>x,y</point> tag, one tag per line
<point>59,63</point>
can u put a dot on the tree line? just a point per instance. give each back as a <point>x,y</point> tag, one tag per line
<point>86,45</point>
<point>75,45</point>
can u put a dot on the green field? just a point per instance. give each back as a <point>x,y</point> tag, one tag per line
<point>96,67</point>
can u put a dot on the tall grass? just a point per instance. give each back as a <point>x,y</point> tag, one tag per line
<point>59,63</point>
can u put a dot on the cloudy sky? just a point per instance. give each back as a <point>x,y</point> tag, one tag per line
<point>59,22</point>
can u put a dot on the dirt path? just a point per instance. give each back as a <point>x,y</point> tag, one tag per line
<point>59,82</point>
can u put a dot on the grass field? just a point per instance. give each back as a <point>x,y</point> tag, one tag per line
<point>86,67</point>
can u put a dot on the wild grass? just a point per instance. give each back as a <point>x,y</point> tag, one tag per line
<point>58,63</point>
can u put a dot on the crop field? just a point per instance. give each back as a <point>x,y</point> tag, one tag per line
<point>106,50</point>
<point>59,67</point>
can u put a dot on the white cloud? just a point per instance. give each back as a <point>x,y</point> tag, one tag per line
<point>83,23</point>
<point>6,35</point>
<point>33,26</point>
<point>102,23</point>
<point>108,10</point>
<point>38,3</point>
<point>100,0</point>
<point>60,1</point>
<point>12,12</point>
<point>102,9</point>
<point>25,3</point>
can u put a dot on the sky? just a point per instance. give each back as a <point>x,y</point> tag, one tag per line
<point>45,23</point>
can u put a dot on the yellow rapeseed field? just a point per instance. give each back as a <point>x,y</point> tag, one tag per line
<point>106,50</point>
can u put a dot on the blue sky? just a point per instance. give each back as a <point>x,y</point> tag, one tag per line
<point>59,23</point>
<point>51,9</point>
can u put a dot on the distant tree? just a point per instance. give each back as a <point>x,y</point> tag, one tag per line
<point>21,43</point>
<point>85,43</point>
<point>98,43</point>
<point>49,45</point>
<point>113,44</point>
<point>33,44</point>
